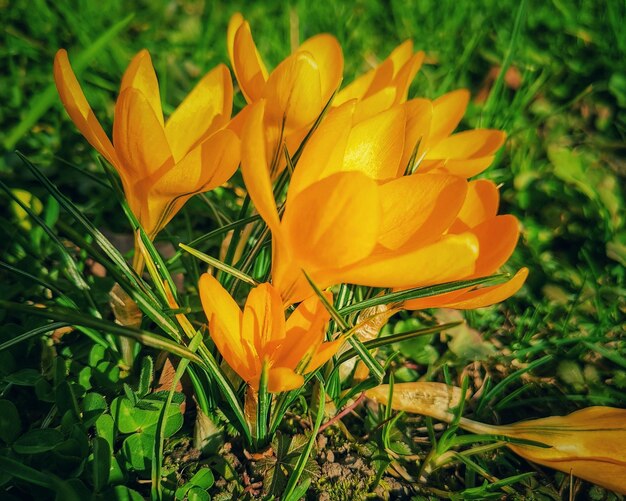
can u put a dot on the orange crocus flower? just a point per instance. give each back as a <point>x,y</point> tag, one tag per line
<point>296,91</point>
<point>348,218</point>
<point>259,336</point>
<point>497,237</point>
<point>385,85</point>
<point>161,164</point>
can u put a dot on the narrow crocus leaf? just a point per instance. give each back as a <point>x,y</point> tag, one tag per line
<point>369,360</point>
<point>219,265</point>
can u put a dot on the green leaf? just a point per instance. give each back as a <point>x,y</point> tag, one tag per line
<point>26,473</point>
<point>10,424</point>
<point>203,478</point>
<point>122,493</point>
<point>145,377</point>
<point>94,405</point>
<point>105,428</point>
<point>197,494</point>
<point>38,441</point>
<point>24,377</point>
<point>101,465</point>
<point>66,399</point>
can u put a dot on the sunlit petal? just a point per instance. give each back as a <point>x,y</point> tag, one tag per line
<point>206,109</point>
<point>140,75</point>
<point>79,110</point>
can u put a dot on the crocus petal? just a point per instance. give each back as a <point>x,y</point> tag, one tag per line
<point>356,89</point>
<point>405,76</point>
<point>481,203</point>
<point>293,92</point>
<point>389,68</point>
<point>208,165</point>
<point>219,306</point>
<point>323,354</point>
<point>263,319</point>
<point>328,55</point>
<point>305,331</point>
<point>474,143</point>
<point>421,205</point>
<point>140,75</point>
<point>247,64</point>
<point>323,154</point>
<point>486,296</point>
<point>255,169</point>
<point>283,379</point>
<point>448,110</point>
<point>375,104</point>
<point>206,109</point>
<point>450,258</point>
<point>138,136</point>
<point>589,443</point>
<point>498,237</point>
<point>341,230</point>
<point>78,108</point>
<point>375,145</point>
<point>463,167</point>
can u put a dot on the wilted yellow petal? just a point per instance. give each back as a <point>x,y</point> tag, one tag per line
<point>206,109</point>
<point>426,398</point>
<point>589,443</point>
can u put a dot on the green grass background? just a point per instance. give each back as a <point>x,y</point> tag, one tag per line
<point>562,170</point>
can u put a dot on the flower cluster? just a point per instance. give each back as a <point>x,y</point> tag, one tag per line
<point>378,187</point>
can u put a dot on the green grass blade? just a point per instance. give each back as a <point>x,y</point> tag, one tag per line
<point>420,292</point>
<point>157,456</point>
<point>75,318</point>
<point>368,359</point>
<point>396,338</point>
<point>37,331</point>
<point>46,99</point>
<point>216,263</point>
<point>304,456</point>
